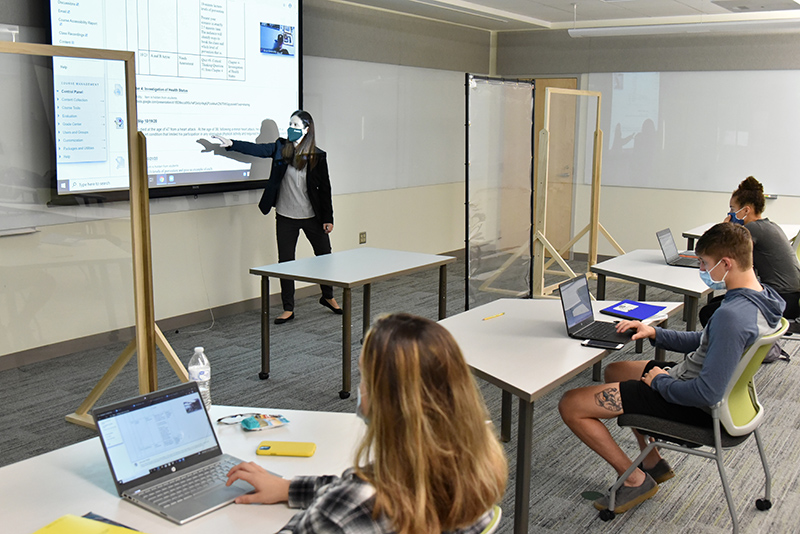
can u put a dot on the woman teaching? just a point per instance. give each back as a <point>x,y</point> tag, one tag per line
<point>428,462</point>
<point>300,191</point>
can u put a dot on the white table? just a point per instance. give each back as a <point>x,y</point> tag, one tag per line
<point>348,269</point>
<point>648,268</point>
<point>76,479</point>
<point>526,352</point>
<point>790,230</point>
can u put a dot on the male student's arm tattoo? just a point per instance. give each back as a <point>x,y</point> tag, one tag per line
<point>609,399</point>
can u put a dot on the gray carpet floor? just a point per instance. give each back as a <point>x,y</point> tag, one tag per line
<point>306,375</point>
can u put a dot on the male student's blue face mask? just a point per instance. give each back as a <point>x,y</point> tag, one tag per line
<point>734,218</point>
<point>705,276</point>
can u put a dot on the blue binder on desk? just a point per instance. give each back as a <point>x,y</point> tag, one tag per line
<point>632,310</point>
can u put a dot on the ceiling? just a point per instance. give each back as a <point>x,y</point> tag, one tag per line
<point>509,15</point>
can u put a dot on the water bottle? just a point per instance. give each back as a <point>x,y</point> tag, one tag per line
<point>200,372</point>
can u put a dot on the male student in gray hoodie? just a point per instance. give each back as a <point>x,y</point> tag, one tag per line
<point>678,391</point>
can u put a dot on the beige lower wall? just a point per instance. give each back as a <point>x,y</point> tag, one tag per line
<point>633,216</point>
<point>75,280</point>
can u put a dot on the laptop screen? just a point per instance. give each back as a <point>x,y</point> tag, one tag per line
<point>667,244</point>
<point>155,434</point>
<point>576,301</point>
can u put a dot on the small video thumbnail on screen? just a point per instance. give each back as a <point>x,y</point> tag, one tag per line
<point>277,39</point>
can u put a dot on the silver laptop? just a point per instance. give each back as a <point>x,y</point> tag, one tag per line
<point>671,254</point>
<point>576,301</point>
<point>164,455</point>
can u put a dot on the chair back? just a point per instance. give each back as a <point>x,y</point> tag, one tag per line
<point>491,527</point>
<point>796,245</point>
<point>739,411</point>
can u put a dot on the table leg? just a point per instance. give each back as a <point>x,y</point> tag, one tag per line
<point>642,298</point>
<point>347,306</point>
<point>264,374</point>
<point>597,369</point>
<point>601,287</point>
<point>367,311</point>
<point>522,495</point>
<point>442,292</point>
<point>689,243</point>
<point>505,417</point>
<point>691,304</point>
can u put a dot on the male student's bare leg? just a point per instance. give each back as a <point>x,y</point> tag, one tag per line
<point>632,370</point>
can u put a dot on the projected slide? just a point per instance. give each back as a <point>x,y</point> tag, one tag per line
<point>202,67</point>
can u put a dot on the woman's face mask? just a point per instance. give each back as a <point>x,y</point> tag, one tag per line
<point>294,134</point>
<point>297,130</point>
<point>734,218</point>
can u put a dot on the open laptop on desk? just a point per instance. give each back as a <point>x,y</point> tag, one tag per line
<point>576,301</point>
<point>164,455</point>
<point>671,254</point>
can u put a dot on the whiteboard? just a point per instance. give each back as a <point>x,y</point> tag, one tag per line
<point>700,131</point>
<point>386,126</point>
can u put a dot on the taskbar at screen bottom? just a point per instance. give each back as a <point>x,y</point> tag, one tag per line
<point>235,179</point>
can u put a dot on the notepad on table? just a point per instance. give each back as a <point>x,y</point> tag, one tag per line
<point>632,310</point>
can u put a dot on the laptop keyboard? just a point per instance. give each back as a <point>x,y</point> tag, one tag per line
<point>179,489</point>
<point>605,331</point>
<point>686,262</point>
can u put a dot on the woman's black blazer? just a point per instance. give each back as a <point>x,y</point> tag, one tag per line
<point>317,180</point>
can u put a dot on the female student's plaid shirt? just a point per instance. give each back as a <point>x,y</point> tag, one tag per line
<point>333,504</point>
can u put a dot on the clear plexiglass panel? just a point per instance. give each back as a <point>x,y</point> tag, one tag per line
<point>499,162</point>
<point>65,259</point>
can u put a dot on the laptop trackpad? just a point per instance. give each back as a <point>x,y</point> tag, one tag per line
<point>206,502</point>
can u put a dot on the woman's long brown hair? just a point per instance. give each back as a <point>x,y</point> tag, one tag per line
<point>434,462</point>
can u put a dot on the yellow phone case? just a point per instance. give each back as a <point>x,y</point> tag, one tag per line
<point>286,448</point>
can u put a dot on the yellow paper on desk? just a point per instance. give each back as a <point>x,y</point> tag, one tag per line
<point>72,524</point>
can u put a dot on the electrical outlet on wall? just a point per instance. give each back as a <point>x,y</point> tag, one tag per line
<point>362,238</point>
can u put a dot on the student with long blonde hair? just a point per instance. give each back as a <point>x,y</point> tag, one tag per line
<point>428,462</point>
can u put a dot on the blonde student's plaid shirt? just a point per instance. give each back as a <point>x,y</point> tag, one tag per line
<point>344,504</point>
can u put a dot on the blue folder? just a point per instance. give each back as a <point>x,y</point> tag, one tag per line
<point>632,310</point>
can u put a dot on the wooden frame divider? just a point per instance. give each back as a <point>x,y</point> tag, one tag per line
<point>594,228</point>
<point>148,335</point>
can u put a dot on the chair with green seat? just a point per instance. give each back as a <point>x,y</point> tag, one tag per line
<point>491,527</point>
<point>734,419</point>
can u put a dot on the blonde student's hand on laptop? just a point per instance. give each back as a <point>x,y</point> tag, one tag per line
<point>270,488</point>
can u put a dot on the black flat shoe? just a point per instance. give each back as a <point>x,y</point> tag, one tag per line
<point>278,320</point>
<point>337,311</point>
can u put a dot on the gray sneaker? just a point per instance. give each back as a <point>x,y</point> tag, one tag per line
<point>628,497</point>
<point>661,472</point>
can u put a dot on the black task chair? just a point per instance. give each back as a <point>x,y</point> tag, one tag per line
<point>734,418</point>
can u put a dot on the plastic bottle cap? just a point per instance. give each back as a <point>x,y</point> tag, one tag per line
<point>198,349</point>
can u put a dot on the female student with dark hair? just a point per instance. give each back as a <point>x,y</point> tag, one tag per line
<point>774,260</point>
<point>300,191</point>
<point>428,462</point>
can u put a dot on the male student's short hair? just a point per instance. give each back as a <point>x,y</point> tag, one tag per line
<point>727,240</point>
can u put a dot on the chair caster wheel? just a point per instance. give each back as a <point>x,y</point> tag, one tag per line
<point>263,376</point>
<point>606,515</point>
<point>344,394</point>
<point>763,504</point>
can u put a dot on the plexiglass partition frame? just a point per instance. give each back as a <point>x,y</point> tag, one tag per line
<point>144,343</point>
<point>498,175</point>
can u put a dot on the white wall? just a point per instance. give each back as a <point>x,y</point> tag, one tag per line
<point>75,280</point>
<point>633,216</point>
